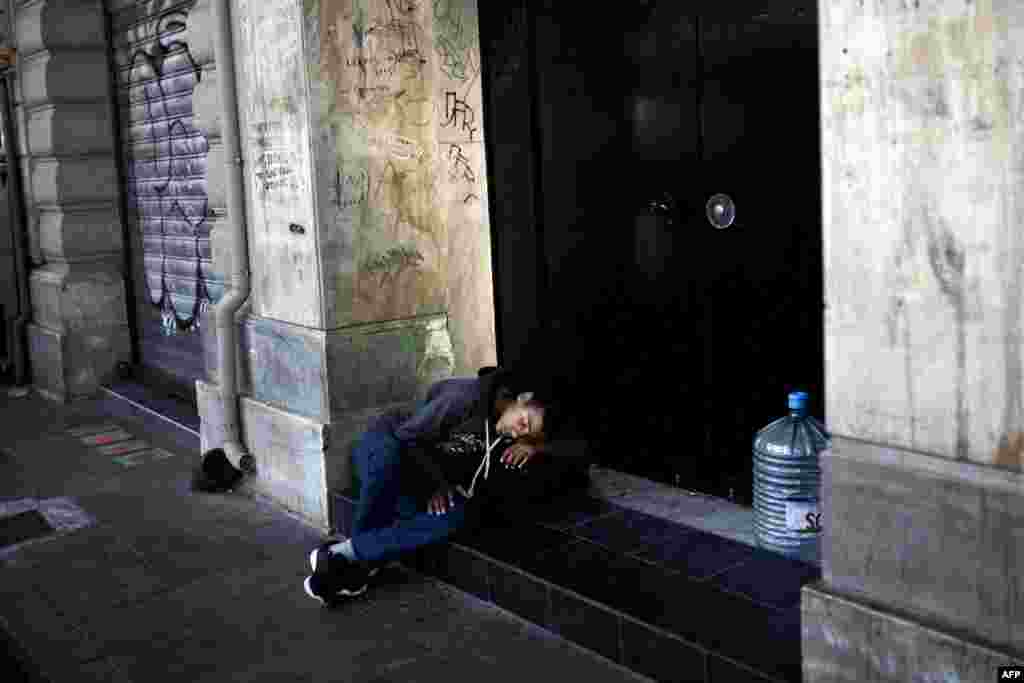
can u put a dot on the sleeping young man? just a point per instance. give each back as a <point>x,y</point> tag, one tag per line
<point>475,450</point>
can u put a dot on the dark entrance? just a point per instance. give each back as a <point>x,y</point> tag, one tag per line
<point>680,339</point>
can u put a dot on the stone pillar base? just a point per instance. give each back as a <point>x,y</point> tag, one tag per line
<point>920,577</point>
<point>290,451</point>
<point>307,395</point>
<point>848,640</point>
<point>79,329</point>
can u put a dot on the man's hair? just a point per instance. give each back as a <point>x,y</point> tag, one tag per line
<point>543,393</point>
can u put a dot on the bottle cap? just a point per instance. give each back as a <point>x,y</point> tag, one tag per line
<point>798,401</point>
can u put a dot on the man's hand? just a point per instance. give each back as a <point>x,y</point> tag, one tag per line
<point>441,502</point>
<point>518,454</point>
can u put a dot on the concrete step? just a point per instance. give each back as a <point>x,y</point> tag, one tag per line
<point>662,598</point>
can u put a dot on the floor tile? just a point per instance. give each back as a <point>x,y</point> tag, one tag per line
<point>659,656</point>
<point>572,510</point>
<point>698,554</point>
<point>629,530</point>
<point>592,627</point>
<point>466,571</point>
<point>635,587</point>
<point>770,578</point>
<point>766,639</point>
<point>515,544</point>
<point>519,593</point>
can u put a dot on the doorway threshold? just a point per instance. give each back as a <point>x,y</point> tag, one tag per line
<point>708,513</point>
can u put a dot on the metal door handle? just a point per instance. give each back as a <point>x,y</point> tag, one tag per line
<point>721,211</point>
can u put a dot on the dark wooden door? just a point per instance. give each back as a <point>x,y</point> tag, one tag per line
<point>645,353</point>
<point>675,339</point>
<point>705,328</point>
<point>762,276</point>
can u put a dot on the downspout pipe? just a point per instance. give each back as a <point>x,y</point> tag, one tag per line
<point>19,233</point>
<point>227,330</point>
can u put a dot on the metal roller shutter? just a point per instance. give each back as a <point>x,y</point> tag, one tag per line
<point>164,160</point>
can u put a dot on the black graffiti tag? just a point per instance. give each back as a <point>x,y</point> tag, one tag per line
<point>460,167</point>
<point>458,114</point>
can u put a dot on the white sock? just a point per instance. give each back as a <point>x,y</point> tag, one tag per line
<point>345,548</point>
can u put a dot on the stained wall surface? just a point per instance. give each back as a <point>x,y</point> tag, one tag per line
<point>399,166</point>
<point>274,117</point>
<point>923,200</point>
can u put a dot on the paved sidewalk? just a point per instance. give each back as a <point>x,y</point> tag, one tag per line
<point>163,584</point>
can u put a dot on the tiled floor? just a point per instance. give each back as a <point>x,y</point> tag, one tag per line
<point>714,515</point>
<point>638,588</point>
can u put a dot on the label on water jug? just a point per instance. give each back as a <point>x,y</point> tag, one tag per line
<point>803,516</point>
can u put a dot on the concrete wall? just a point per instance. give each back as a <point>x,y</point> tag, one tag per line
<point>369,245</point>
<point>923,200</point>
<point>923,205</point>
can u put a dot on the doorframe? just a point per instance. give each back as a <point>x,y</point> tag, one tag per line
<point>119,165</point>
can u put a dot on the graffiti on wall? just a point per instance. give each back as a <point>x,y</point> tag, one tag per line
<point>166,166</point>
<point>402,110</point>
<point>455,42</point>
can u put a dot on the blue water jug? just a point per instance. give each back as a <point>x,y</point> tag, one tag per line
<point>787,476</point>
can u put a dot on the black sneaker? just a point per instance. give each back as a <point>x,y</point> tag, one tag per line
<point>321,558</point>
<point>345,580</point>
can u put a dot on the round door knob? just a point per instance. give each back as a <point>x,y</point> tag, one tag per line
<point>721,211</point>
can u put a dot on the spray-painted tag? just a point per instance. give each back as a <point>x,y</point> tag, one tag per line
<point>803,516</point>
<point>132,459</point>
<point>106,437</point>
<point>123,447</point>
<point>142,457</point>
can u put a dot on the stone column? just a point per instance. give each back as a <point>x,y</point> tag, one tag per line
<point>368,239</point>
<point>79,328</point>
<point>923,177</point>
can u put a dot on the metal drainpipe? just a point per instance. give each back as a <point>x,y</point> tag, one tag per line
<point>19,232</point>
<point>228,306</point>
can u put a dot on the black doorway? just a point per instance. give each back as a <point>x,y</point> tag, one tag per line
<point>678,339</point>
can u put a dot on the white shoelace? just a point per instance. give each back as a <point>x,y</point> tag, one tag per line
<point>485,462</point>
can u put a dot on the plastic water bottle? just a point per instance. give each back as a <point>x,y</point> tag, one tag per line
<point>787,476</point>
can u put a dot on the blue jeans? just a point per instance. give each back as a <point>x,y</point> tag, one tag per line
<point>391,515</point>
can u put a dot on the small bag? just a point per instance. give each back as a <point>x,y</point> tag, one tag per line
<point>215,473</point>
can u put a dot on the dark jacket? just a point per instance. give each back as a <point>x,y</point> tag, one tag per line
<point>458,408</point>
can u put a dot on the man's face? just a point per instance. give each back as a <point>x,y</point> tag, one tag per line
<point>520,419</point>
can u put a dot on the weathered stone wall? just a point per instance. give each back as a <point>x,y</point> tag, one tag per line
<point>400,175</point>
<point>923,204</point>
<point>923,176</point>
<point>79,328</point>
<point>368,242</point>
